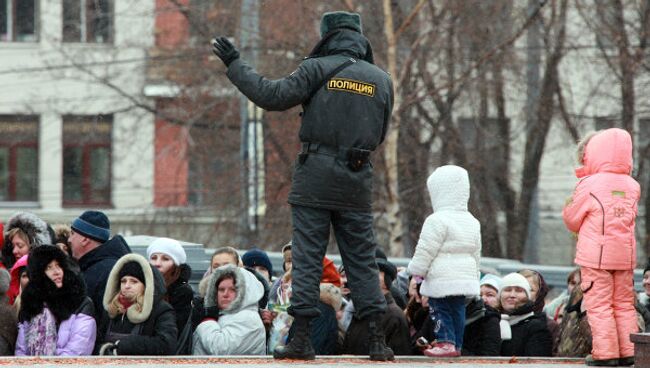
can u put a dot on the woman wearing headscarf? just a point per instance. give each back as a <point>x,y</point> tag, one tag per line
<point>523,332</point>
<point>56,317</point>
<point>538,291</point>
<point>136,319</point>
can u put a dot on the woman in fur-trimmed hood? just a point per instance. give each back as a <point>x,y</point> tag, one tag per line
<point>56,317</point>
<point>232,323</point>
<point>23,232</point>
<point>136,319</point>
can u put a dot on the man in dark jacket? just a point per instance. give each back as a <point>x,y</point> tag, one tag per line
<point>96,254</point>
<point>394,324</point>
<point>347,103</point>
<point>482,333</point>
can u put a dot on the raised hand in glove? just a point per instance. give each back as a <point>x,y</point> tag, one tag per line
<point>225,50</point>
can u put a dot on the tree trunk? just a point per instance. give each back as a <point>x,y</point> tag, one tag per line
<point>502,174</point>
<point>627,67</point>
<point>536,137</point>
<point>393,214</point>
<point>479,168</point>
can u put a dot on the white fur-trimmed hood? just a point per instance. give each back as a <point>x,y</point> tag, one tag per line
<point>249,289</point>
<point>150,293</point>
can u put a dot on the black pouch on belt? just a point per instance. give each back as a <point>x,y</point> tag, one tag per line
<point>357,158</point>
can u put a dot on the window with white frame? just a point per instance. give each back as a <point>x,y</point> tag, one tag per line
<point>18,19</point>
<point>87,160</point>
<point>88,21</point>
<point>18,158</point>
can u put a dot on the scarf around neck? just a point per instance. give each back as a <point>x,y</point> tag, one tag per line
<point>41,334</point>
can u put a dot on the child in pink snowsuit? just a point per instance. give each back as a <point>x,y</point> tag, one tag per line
<point>602,211</point>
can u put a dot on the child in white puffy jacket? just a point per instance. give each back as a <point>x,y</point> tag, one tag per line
<point>447,258</point>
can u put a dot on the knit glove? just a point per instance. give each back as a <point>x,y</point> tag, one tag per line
<point>225,50</point>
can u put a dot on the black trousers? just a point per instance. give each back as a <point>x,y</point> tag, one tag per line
<point>355,238</point>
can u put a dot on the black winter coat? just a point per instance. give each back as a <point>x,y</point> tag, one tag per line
<point>180,295</point>
<point>530,337</point>
<point>352,110</point>
<point>156,334</point>
<point>482,335</point>
<point>97,264</point>
<point>8,329</point>
<point>394,326</point>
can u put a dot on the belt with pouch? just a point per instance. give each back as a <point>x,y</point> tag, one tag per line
<point>355,158</point>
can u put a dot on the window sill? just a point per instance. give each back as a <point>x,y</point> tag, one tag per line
<point>69,205</point>
<point>19,204</point>
<point>20,44</point>
<point>87,45</point>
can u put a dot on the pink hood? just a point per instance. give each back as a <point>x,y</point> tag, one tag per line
<point>603,207</point>
<point>608,151</point>
<point>14,284</point>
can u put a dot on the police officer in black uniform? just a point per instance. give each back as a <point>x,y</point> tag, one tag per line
<point>347,102</point>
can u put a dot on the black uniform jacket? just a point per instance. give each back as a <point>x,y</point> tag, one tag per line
<point>351,110</point>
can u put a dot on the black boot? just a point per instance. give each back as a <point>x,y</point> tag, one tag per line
<point>590,361</point>
<point>300,346</point>
<point>377,348</point>
<point>627,361</point>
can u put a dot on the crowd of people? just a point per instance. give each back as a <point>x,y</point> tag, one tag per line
<point>78,291</point>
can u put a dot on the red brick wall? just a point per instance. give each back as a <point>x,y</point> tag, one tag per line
<point>171,25</point>
<point>171,166</point>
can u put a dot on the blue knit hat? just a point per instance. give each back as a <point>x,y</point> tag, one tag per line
<point>339,19</point>
<point>257,257</point>
<point>94,225</point>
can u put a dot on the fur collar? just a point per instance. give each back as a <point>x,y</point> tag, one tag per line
<point>152,291</point>
<point>61,302</point>
<point>41,290</point>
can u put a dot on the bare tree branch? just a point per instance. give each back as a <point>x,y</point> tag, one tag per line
<point>409,19</point>
<point>565,116</point>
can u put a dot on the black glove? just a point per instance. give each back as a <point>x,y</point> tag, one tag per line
<point>108,348</point>
<point>225,50</point>
<point>211,312</point>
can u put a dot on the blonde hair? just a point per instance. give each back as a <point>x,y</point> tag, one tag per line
<point>20,233</point>
<point>582,145</point>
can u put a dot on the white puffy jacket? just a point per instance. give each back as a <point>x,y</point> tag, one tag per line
<point>239,330</point>
<point>449,249</point>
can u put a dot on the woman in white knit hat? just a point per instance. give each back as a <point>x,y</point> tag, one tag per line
<point>169,257</point>
<point>523,332</point>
